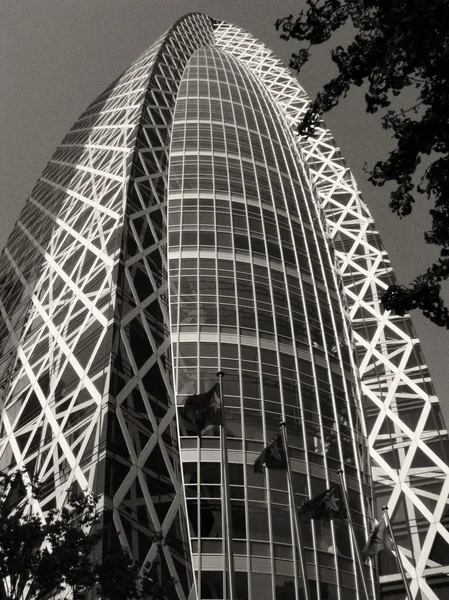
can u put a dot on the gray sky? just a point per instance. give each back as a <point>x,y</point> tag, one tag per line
<point>58,55</point>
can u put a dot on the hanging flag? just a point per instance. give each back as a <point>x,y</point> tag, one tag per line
<point>204,409</point>
<point>326,506</point>
<point>377,541</point>
<point>272,456</point>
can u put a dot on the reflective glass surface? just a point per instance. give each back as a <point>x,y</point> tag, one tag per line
<point>253,293</point>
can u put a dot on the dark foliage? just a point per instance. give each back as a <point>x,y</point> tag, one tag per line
<point>48,555</point>
<point>43,554</point>
<point>398,46</point>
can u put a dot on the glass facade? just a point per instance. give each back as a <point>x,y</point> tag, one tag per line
<point>253,293</point>
<point>180,228</point>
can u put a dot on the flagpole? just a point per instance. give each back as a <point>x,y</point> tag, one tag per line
<point>398,556</point>
<point>307,595</point>
<point>226,494</point>
<point>200,549</point>
<point>351,527</point>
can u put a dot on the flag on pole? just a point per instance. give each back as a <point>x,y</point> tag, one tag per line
<point>272,456</point>
<point>326,506</point>
<point>204,409</point>
<point>377,541</point>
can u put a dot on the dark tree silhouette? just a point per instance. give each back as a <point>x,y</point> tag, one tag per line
<point>48,555</point>
<point>44,555</point>
<point>398,46</point>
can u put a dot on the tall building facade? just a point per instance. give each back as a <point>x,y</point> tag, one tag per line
<point>183,228</point>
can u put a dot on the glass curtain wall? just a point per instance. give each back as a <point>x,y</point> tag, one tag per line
<point>253,293</point>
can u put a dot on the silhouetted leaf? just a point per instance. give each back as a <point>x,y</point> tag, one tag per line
<point>398,46</point>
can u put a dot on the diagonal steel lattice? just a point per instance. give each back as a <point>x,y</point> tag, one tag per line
<point>407,435</point>
<point>86,385</point>
<point>86,371</point>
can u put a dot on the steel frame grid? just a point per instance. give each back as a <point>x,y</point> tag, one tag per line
<point>76,411</point>
<point>59,279</point>
<point>408,459</point>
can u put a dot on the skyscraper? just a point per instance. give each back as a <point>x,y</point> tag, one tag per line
<point>272,273</point>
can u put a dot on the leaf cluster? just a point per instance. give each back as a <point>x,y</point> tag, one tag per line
<point>45,556</point>
<point>399,48</point>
